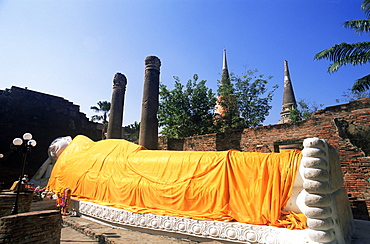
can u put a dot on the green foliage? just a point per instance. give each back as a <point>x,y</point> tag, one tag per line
<point>253,97</point>
<point>227,101</point>
<point>103,107</point>
<point>353,95</point>
<point>354,54</point>
<point>244,101</point>
<point>365,6</point>
<point>360,26</point>
<point>362,84</point>
<point>345,53</point>
<point>295,115</point>
<point>131,131</point>
<point>304,110</point>
<point>186,110</point>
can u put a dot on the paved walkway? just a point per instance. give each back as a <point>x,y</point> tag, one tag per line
<point>68,234</point>
<point>72,236</point>
<point>106,234</point>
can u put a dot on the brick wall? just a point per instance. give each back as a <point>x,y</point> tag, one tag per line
<point>46,117</point>
<point>32,227</point>
<point>7,200</point>
<point>346,127</point>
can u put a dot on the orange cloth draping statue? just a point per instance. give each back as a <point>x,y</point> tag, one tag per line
<point>226,186</point>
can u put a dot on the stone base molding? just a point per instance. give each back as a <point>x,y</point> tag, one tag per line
<point>223,231</point>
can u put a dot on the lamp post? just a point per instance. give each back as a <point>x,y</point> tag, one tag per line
<point>1,183</point>
<point>28,143</point>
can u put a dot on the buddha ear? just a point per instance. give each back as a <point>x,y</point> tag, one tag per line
<point>52,150</point>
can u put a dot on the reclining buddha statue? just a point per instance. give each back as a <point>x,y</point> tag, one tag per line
<point>226,195</point>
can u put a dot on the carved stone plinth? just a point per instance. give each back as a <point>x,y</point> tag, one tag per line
<point>217,230</point>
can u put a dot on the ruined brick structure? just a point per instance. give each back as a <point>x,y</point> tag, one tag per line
<point>7,200</point>
<point>32,227</point>
<point>346,127</point>
<point>46,117</point>
<point>289,102</point>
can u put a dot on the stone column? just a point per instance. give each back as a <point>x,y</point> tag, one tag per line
<point>116,107</point>
<point>149,108</point>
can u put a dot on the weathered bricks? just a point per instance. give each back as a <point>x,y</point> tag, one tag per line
<point>7,200</point>
<point>355,162</point>
<point>31,227</point>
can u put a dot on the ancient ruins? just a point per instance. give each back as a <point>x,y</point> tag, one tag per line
<point>334,161</point>
<point>117,106</point>
<point>208,194</point>
<point>149,123</point>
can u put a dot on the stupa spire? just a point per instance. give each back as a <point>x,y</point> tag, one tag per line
<point>225,79</point>
<point>289,101</point>
<point>220,110</point>
<point>224,63</point>
<point>288,98</point>
<point>225,71</point>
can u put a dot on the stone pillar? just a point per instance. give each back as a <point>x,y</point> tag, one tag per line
<point>149,108</point>
<point>116,107</point>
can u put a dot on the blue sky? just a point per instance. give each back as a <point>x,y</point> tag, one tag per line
<point>73,48</point>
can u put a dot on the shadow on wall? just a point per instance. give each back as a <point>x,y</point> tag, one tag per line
<point>359,135</point>
<point>359,208</point>
<point>288,144</point>
<point>230,140</point>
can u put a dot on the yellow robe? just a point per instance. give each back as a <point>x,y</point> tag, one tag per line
<point>225,186</point>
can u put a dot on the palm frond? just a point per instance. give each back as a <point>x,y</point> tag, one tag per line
<point>362,84</point>
<point>344,53</point>
<point>360,26</point>
<point>95,108</point>
<point>96,118</point>
<point>365,6</point>
<point>104,106</point>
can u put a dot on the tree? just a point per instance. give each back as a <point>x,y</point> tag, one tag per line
<point>103,107</point>
<point>303,110</point>
<point>353,95</point>
<point>250,89</point>
<point>226,112</point>
<point>243,101</point>
<point>131,131</point>
<point>355,54</point>
<point>186,110</point>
